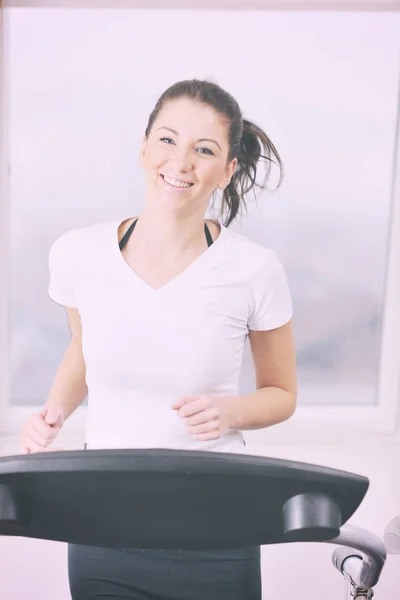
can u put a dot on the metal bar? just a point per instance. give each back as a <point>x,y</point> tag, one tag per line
<point>363,567</point>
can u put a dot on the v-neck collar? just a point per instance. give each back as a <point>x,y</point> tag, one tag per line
<point>189,270</point>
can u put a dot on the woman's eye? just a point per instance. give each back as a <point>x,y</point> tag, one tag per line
<point>206,150</point>
<point>202,149</point>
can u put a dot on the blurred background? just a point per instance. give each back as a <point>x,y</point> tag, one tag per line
<point>81,86</point>
<point>79,81</point>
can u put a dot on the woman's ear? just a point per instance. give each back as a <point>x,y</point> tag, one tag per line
<point>230,169</point>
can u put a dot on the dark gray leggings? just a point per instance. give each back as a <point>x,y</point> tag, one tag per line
<point>136,574</point>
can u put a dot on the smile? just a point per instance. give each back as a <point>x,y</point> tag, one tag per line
<point>176,183</point>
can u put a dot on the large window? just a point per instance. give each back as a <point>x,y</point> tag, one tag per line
<point>79,87</point>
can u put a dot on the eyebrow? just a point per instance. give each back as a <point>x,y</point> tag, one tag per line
<point>199,140</point>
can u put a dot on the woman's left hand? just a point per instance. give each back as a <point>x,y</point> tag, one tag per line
<point>206,417</point>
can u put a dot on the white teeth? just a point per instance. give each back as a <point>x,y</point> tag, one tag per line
<point>177,183</point>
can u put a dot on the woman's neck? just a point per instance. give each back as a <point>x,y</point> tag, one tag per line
<point>168,235</point>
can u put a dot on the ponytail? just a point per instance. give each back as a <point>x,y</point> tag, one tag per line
<point>254,145</point>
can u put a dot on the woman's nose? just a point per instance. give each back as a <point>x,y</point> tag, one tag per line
<point>183,160</point>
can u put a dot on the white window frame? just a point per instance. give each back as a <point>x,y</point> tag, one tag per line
<point>276,5</point>
<point>310,424</point>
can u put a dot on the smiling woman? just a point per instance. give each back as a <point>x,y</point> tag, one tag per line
<point>159,320</point>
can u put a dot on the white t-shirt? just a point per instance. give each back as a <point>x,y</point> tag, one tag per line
<point>145,348</point>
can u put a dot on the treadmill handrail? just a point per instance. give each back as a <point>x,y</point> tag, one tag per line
<point>369,546</point>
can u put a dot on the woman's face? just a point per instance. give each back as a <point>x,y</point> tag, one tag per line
<point>185,156</point>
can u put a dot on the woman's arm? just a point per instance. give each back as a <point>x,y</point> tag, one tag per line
<point>69,387</point>
<point>207,417</point>
<point>274,400</point>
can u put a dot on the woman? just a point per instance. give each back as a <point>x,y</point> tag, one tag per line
<point>160,306</point>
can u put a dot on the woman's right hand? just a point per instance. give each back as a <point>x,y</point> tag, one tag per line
<point>40,430</point>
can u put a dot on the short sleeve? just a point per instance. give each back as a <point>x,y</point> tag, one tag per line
<point>61,286</point>
<point>271,301</point>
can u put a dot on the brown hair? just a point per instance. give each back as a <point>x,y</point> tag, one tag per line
<point>247,142</point>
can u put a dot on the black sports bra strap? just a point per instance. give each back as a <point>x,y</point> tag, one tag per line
<point>208,235</point>
<point>127,235</point>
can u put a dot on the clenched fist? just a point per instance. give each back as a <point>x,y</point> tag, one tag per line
<point>40,430</point>
<point>206,417</point>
